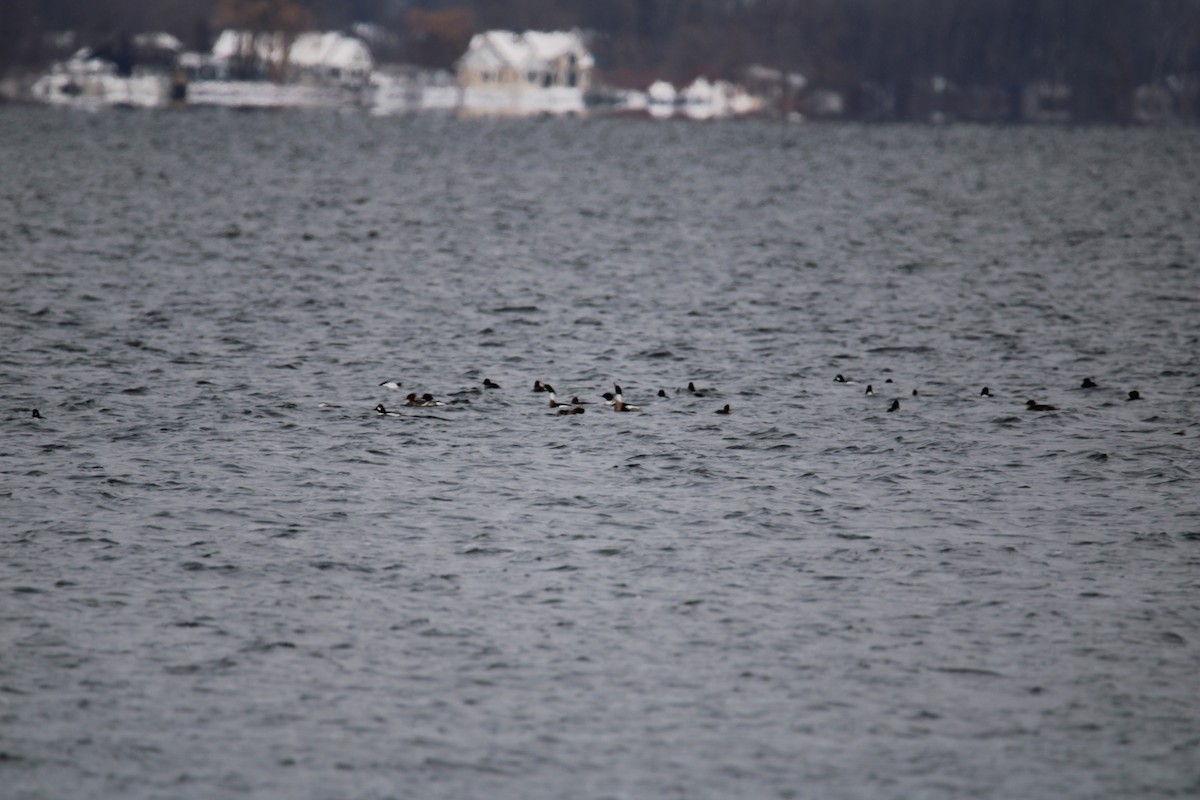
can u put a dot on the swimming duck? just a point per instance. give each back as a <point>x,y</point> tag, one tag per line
<point>691,387</point>
<point>37,414</point>
<point>895,406</point>
<point>538,386</point>
<point>554,401</point>
<point>424,401</point>
<point>1034,405</point>
<point>619,403</point>
<point>985,392</point>
<point>663,393</point>
<point>391,384</point>
<point>870,390</point>
<point>383,412</point>
<point>725,410</point>
<point>488,383</point>
<point>1133,395</point>
<point>564,411</point>
<point>1088,383</point>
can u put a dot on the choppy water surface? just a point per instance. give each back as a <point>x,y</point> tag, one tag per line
<point>214,585</point>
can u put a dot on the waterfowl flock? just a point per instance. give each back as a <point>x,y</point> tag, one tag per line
<point>985,392</point>
<point>615,399</point>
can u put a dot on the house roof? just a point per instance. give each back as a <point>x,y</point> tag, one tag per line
<point>158,41</point>
<point>661,92</point>
<point>329,50</point>
<point>527,50</point>
<point>308,50</point>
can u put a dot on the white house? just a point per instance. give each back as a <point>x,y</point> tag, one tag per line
<point>534,72</point>
<point>90,81</point>
<point>265,70</point>
<point>329,59</point>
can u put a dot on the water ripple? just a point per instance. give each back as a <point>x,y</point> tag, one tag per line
<point>210,530</point>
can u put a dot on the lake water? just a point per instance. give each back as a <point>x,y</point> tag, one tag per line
<point>224,575</point>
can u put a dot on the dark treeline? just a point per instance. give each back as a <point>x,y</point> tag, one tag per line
<point>1102,49</point>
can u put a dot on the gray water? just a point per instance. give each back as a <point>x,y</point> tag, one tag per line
<point>224,575</point>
